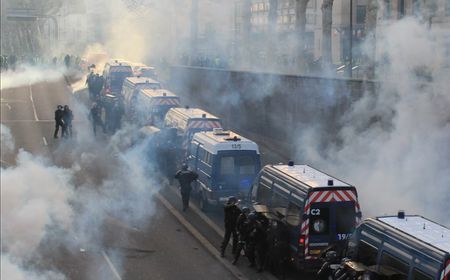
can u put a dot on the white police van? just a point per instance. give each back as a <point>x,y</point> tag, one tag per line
<point>187,122</point>
<point>130,94</point>
<point>149,106</point>
<point>401,247</point>
<point>226,163</point>
<point>319,210</point>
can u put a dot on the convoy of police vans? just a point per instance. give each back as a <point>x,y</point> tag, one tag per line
<point>319,211</point>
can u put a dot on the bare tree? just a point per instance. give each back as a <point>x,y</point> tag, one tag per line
<point>370,26</point>
<point>300,25</point>
<point>327,20</point>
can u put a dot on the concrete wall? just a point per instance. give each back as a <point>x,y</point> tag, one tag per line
<point>272,108</point>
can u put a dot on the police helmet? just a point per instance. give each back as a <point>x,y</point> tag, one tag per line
<point>232,200</point>
<point>252,216</point>
<point>245,210</point>
<point>330,256</point>
<point>184,166</point>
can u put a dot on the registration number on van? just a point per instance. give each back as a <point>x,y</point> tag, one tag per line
<point>236,146</point>
<point>343,236</point>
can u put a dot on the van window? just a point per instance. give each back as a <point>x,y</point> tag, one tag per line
<point>367,254</point>
<point>226,165</point>
<point>319,220</point>
<point>279,200</point>
<point>293,214</point>
<point>345,219</point>
<point>419,275</point>
<point>263,194</point>
<point>246,165</point>
<point>388,260</point>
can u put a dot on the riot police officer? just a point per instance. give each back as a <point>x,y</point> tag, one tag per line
<point>243,229</point>
<point>96,118</point>
<point>185,178</point>
<point>231,214</point>
<point>59,121</point>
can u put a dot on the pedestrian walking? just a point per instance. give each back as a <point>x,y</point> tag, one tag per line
<point>95,115</point>
<point>185,177</point>
<point>231,214</point>
<point>67,118</point>
<point>59,121</point>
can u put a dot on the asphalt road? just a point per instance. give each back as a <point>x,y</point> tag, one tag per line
<point>170,245</point>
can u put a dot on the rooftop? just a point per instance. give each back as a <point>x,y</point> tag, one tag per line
<point>422,229</point>
<point>310,176</point>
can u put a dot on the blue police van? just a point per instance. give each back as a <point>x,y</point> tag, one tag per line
<point>226,163</point>
<point>401,247</point>
<point>316,209</point>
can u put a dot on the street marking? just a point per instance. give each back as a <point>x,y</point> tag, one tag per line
<point>32,103</point>
<point>114,270</point>
<point>45,141</point>
<point>202,215</point>
<point>212,250</point>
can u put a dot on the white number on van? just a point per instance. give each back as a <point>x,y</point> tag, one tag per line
<point>315,212</point>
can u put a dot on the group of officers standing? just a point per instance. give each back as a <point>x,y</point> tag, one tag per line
<point>264,242</point>
<point>106,110</point>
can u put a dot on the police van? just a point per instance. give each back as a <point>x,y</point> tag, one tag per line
<point>187,122</point>
<point>226,163</point>
<point>131,95</point>
<point>402,247</point>
<point>114,74</point>
<point>319,210</point>
<point>154,104</point>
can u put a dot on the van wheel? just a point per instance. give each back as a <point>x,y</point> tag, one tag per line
<point>203,203</point>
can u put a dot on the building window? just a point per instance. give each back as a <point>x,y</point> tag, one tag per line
<point>401,8</point>
<point>387,9</point>
<point>360,14</point>
<point>447,8</point>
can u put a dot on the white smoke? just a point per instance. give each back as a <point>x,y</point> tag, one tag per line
<point>395,145</point>
<point>30,75</point>
<point>68,201</point>
<point>11,270</point>
<point>7,140</point>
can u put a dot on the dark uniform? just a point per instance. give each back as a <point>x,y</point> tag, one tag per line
<point>231,214</point>
<point>90,83</point>
<point>243,229</point>
<point>256,244</point>
<point>59,121</point>
<point>185,177</point>
<point>67,117</point>
<point>96,117</point>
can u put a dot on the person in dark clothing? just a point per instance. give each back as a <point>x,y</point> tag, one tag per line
<point>258,239</point>
<point>90,83</point>
<point>98,85</point>
<point>117,114</point>
<point>243,229</point>
<point>12,61</point>
<point>67,118</point>
<point>95,116</point>
<point>67,61</point>
<point>278,248</point>
<point>231,214</point>
<point>325,271</point>
<point>185,177</point>
<point>59,121</point>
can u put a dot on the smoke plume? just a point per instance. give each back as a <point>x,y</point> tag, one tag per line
<point>394,145</point>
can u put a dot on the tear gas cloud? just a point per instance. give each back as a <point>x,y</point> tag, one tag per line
<point>394,146</point>
<point>28,74</point>
<point>46,205</point>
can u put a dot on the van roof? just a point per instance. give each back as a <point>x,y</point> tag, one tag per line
<point>118,62</point>
<point>421,229</point>
<point>191,113</point>
<point>141,80</point>
<point>309,176</point>
<point>149,130</point>
<point>159,93</point>
<point>221,140</point>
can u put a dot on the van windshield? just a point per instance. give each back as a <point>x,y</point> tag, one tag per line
<point>239,165</point>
